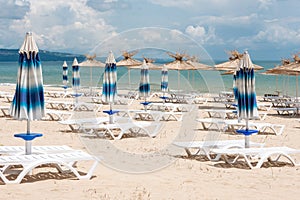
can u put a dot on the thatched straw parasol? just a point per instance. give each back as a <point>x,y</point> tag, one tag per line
<point>290,68</point>
<point>150,64</point>
<point>128,61</point>
<point>185,62</point>
<point>91,62</point>
<point>233,63</point>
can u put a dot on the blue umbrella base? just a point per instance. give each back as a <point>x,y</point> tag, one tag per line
<point>247,132</point>
<point>28,137</point>
<point>77,95</point>
<point>146,103</point>
<point>163,97</point>
<point>111,112</point>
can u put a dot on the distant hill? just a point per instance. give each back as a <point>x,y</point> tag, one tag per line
<point>13,55</point>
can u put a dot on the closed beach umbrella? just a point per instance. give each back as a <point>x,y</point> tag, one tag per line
<point>75,79</point>
<point>144,87</point>
<point>164,80</point>
<point>109,88</point>
<point>247,106</point>
<point>65,75</point>
<point>28,102</point>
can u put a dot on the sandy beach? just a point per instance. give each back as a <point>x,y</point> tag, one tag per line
<point>170,174</point>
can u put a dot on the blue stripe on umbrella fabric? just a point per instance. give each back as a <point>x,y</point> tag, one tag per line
<point>235,89</point>
<point>65,75</point>
<point>75,76</point>
<point>109,88</point>
<point>144,87</point>
<point>247,105</point>
<point>28,103</point>
<point>164,79</point>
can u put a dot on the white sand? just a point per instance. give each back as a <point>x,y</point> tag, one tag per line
<point>173,177</point>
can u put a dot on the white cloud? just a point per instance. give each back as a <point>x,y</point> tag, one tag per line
<point>195,31</point>
<point>237,20</point>
<point>265,4</point>
<point>279,34</point>
<point>203,36</point>
<point>63,25</point>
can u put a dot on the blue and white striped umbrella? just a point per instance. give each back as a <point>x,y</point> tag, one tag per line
<point>28,102</point>
<point>164,79</point>
<point>75,77</point>
<point>109,88</point>
<point>65,75</point>
<point>144,88</point>
<point>246,96</point>
<point>247,106</point>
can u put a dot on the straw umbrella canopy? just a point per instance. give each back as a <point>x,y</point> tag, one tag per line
<point>28,103</point>
<point>128,61</point>
<point>287,68</point>
<point>183,62</point>
<point>91,62</point>
<point>233,63</point>
<point>150,64</point>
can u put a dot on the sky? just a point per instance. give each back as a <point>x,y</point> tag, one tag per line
<point>268,29</point>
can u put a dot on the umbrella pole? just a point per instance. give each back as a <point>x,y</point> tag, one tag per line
<point>129,84</point>
<point>28,142</point>
<point>178,74</point>
<point>145,105</point>
<point>247,137</point>
<point>297,88</point>
<point>111,117</point>
<point>91,81</point>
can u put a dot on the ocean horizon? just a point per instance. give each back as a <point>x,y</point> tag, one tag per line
<point>200,80</point>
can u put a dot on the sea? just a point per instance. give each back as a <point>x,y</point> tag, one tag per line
<point>201,81</point>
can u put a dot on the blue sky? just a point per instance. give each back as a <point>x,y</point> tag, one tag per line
<point>268,29</point>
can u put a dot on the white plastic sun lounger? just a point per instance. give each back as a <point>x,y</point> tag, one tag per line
<point>234,124</point>
<point>75,124</point>
<point>205,147</point>
<point>18,150</point>
<point>291,111</point>
<point>118,130</point>
<point>220,113</point>
<point>61,162</point>
<point>258,155</point>
<point>153,115</point>
<point>262,127</point>
<point>57,115</point>
<point>5,110</point>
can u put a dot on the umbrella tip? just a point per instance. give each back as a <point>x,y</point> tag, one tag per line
<point>75,62</point>
<point>110,58</point>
